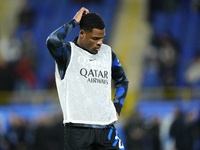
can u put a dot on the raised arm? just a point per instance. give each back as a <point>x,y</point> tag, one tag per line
<point>59,50</point>
<point>55,42</point>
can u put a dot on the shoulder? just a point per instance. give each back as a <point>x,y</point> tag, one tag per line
<point>68,46</point>
<point>106,46</point>
<point>109,50</point>
<point>106,49</point>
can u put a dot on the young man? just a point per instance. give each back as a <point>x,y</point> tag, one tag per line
<point>84,70</point>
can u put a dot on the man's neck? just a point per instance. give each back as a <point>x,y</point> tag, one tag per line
<point>78,42</point>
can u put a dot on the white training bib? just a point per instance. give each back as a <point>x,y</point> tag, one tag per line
<point>85,91</point>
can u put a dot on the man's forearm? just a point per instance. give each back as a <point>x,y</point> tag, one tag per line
<point>120,95</point>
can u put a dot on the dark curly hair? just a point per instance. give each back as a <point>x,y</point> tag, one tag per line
<point>90,21</point>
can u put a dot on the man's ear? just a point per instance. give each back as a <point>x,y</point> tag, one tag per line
<point>81,33</point>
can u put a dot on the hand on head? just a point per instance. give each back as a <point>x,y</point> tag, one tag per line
<point>80,13</point>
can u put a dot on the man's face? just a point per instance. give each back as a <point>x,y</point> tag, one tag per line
<point>92,41</point>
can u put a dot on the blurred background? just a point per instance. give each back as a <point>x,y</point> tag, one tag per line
<point>157,42</point>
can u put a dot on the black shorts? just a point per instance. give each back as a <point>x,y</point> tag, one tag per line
<point>86,138</point>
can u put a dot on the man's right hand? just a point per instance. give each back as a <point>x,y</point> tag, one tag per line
<point>79,14</point>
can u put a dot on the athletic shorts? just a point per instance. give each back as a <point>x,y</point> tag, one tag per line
<point>85,138</point>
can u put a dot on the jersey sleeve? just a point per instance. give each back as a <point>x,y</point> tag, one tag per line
<point>59,50</point>
<point>121,83</point>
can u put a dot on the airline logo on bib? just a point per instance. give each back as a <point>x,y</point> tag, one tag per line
<point>94,75</point>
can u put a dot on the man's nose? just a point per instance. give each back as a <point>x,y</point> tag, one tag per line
<point>100,41</point>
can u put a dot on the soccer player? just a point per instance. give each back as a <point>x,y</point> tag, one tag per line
<point>84,70</point>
